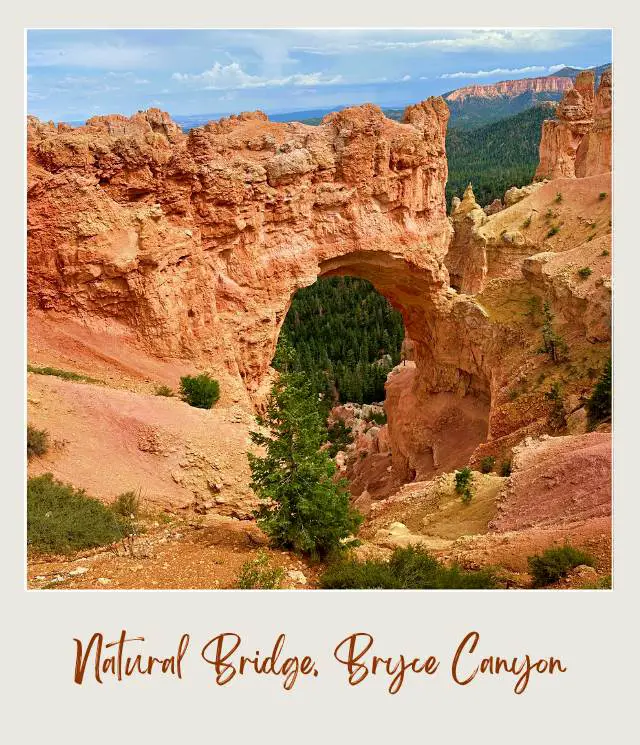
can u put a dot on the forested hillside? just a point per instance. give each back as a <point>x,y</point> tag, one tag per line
<point>479,112</point>
<point>346,337</point>
<point>495,157</point>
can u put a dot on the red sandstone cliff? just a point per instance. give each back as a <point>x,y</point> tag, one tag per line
<point>578,142</point>
<point>511,88</point>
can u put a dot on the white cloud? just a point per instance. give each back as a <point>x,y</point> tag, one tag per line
<point>500,71</point>
<point>405,78</point>
<point>233,77</point>
<point>487,39</point>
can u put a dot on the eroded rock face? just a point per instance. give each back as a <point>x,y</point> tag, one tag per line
<point>197,242</point>
<point>578,142</point>
<point>434,435</point>
<point>467,259</point>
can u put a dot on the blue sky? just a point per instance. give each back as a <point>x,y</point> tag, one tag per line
<point>75,74</point>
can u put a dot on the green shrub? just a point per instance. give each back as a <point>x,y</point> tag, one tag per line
<point>377,417</point>
<point>605,252</point>
<point>558,198</point>
<point>464,484</point>
<point>555,563</point>
<point>37,442</point>
<point>164,390</point>
<point>411,568</point>
<point>599,403</point>
<point>126,505</point>
<point>258,574</point>
<point>201,391</point>
<point>527,222</point>
<point>64,374</point>
<point>585,272</point>
<point>359,575</point>
<point>552,343</point>
<point>602,195</point>
<point>487,464</point>
<point>505,468</point>
<point>534,309</point>
<point>61,519</point>
<point>303,506</point>
<point>553,230</point>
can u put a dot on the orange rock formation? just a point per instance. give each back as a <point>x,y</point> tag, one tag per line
<point>197,242</point>
<point>578,142</point>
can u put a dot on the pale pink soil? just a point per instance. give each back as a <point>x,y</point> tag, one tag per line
<point>109,441</point>
<point>559,479</point>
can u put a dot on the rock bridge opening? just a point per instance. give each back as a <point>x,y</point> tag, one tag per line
<point>368,331</point>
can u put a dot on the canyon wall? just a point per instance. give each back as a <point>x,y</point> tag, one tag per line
<point>577,143</point>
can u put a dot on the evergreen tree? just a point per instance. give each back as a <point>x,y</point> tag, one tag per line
<point>599,403</point>
<point>552,343</point>
<point>304,507</point>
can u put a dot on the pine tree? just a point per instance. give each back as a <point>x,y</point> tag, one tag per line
<point>303,507</point>
<point>599,403</point>
<point>552,343</point>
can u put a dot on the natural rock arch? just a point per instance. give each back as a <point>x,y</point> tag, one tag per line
<point>198,241</point>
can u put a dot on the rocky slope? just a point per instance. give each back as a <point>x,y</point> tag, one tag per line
<point>111,441</point>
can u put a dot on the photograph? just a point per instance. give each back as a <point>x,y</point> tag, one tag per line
<point>318,309</point>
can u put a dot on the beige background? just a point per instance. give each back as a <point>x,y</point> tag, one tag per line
<point>592,632</point>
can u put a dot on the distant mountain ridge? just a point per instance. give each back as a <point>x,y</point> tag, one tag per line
<point>572,72</point>
<point>512,88</point>
<point>476,105</point>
